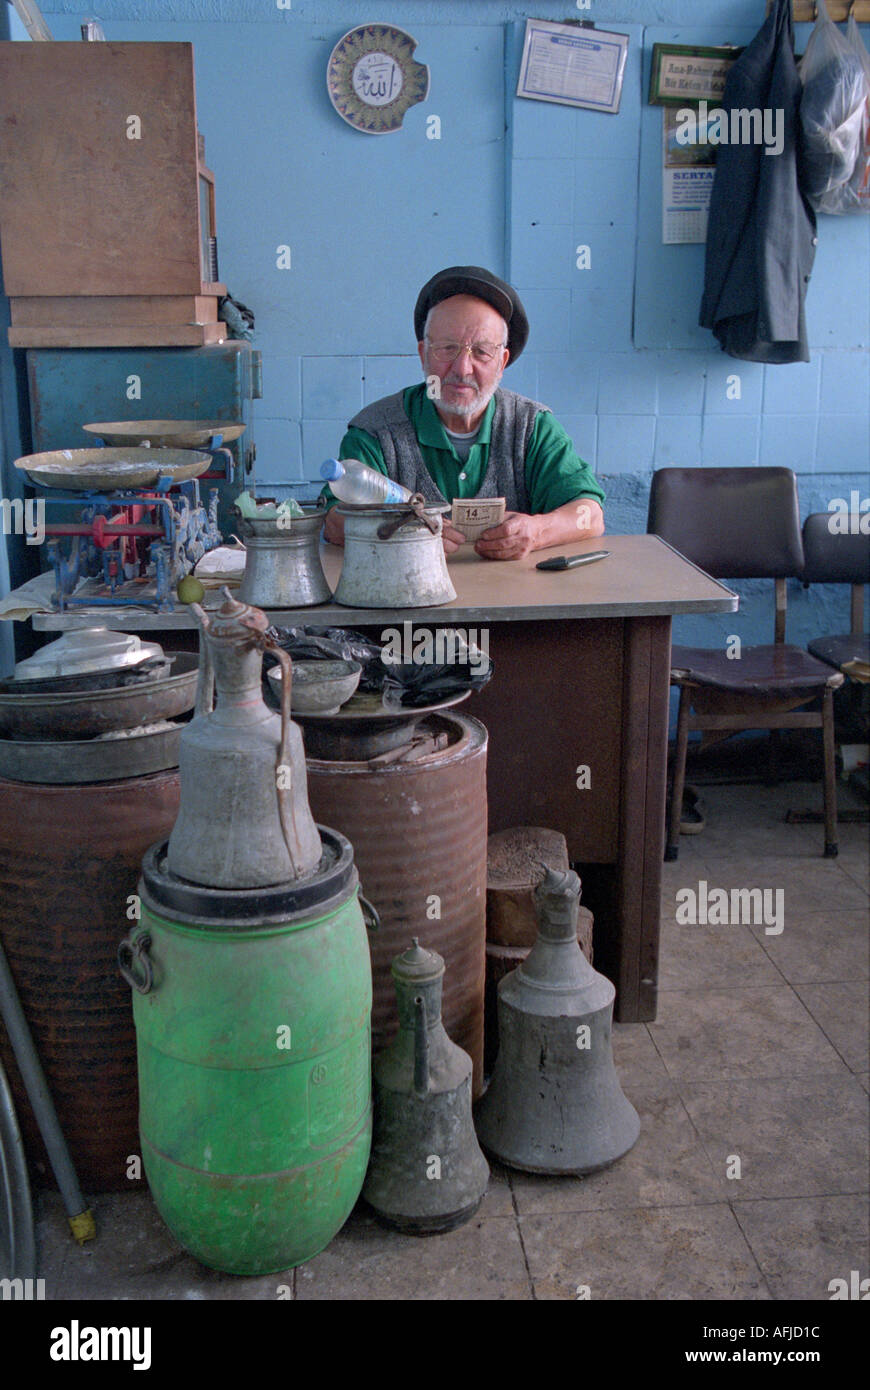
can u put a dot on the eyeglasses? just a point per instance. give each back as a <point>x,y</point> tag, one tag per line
<point>482,353</point>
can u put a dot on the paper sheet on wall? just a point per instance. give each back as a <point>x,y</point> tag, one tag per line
<point>687,182</point>
<point>574,65</point>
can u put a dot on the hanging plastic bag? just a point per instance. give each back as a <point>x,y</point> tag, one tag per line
<point>859,183</point>
<point>832,116</point>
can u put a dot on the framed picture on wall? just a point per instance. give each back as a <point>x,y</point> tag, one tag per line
<point>682,73</point>
<point>573,64</point>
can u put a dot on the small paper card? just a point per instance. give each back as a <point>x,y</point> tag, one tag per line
<point>474,515</point>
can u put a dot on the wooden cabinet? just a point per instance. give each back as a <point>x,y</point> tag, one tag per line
<point>106,206</point>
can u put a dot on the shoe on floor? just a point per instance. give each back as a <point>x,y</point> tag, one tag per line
<point>692,820</point>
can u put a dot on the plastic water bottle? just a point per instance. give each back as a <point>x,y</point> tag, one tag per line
<point>354,482</point>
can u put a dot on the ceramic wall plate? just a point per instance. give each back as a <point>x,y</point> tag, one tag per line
<point>372,78</point>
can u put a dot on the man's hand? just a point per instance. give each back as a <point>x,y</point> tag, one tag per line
<point>514,538</point>
<point>452,538</point>
<point>519,534</point>
<point>333,528</point>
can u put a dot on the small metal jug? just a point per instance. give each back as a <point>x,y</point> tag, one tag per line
<point>427,1172</point>
<point>283,568</point>
<point>244,820</point>
<point>555,1104</point>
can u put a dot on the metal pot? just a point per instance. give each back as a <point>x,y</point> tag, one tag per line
<point>393,557</point>
<point>71,761</point>
<point>89,713</point>
<point>365,727</point>
<point>283,569</point>
<point>418,828</point>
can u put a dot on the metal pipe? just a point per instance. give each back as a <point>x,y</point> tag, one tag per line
<point>78,1213</point>
<point>15,1191</point>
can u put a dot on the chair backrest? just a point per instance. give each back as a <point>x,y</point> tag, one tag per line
<point>735,523</point>
<point>833,555</point>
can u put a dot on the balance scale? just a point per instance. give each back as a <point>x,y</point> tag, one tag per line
<point>142,523</point>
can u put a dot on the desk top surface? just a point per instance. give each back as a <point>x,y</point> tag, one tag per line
<point>642,577</point>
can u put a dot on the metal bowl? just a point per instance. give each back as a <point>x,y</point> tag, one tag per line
<point>87,470</point>
<point>91,760</point>
<point>87,649</point>
<point>319,687</point>
<point>166,434</point>
<point>87,714</point>
<point>268,529</point>
<point>366,727</point>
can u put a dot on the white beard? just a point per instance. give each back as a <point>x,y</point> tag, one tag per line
<point>474,404</point>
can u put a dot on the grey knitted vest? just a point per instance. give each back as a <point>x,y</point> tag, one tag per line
<point>512,424</point>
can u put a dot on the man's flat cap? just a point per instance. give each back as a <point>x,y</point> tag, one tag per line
<point>474,280</point>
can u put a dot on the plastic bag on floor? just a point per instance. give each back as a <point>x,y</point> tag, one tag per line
<point>832,117</point>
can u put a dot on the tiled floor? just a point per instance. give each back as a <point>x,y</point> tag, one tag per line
<point>757,1064</point>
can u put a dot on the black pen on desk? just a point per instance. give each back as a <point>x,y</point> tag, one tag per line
<point>569,562</point>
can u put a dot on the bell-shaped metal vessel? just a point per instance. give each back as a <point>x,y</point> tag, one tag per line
<point>555,1104</point>
<point>427,1172</point>
<point>393,557</point>
<point>244,820</point>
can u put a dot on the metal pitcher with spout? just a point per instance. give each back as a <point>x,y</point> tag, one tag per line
<point>427,1172</point>
<point>244,820</point>
<point>554,1104</point>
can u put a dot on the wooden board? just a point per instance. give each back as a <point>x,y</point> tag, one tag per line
<point>805,11</point>
<point>84,311</point>
<point>120,335</point>
<point>83,208</point>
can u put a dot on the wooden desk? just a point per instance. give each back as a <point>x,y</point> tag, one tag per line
<point>581,679</point>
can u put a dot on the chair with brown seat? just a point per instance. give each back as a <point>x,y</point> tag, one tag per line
<point>742,523</point>
<point>836,556</point>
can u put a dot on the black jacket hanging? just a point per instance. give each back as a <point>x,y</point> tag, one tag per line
<point>761,230</point>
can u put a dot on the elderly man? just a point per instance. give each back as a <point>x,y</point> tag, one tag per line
<point>460,434</point>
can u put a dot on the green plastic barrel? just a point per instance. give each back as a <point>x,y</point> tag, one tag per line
<point>252,1012</point>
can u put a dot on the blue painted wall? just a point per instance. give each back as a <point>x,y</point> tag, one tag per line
<point>516,185</point>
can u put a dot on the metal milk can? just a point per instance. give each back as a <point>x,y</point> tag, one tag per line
<point>244,820</point>
<point>427,1172</point>
<point>555,1104</point>
<point>393,556</point>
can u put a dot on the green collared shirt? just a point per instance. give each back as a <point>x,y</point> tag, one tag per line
<point>554,473</point>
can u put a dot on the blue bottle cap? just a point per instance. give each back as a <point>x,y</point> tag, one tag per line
<point>331,469</point>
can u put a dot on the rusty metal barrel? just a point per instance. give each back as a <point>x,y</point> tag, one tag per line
<point>418,828</point>
<point>70,858</point>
